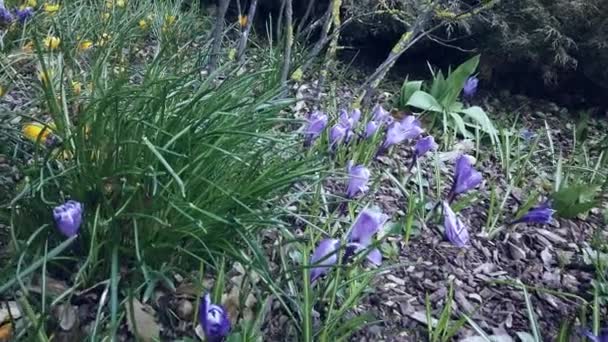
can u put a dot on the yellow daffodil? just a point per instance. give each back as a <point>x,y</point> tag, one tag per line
<point>35,130</point>
<point>51,8</point>
<point>76,87</point>
<point>143,24</point>
<point>51,42</point>
<point>85,45</point>
<point>170,19</point>
<point>242,20</point>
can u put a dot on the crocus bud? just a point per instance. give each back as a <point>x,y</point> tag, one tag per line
<point>358,177</point>
<point>68,217</point>
<point>455,231</point>
<point>214,320</point>
<point>425,145</point>
<point>470,86</point>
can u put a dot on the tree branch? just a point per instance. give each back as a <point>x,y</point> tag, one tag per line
<point>245,33</point>
<point>218,31</point>
<point>288,41</point>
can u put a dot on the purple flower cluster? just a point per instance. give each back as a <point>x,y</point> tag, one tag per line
<point>22,14</point>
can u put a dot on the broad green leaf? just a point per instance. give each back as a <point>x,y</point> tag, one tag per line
<point>479,116</point>
<point>439,86</point>
<point>460,125</point>
<point>573,200</point>
<point>455,80</point>
<point>424,101</point>
<point>407,89</point>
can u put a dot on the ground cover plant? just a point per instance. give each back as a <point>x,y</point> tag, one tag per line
<point>170,174</point>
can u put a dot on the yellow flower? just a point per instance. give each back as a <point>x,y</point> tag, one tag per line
<point>85,45</point>
<point>31,3</point>
<point>242,20</point>
<point>35,130</point>
<point>76,87</point>
<point>121,3</point>
<point>170,19</point>
<point>51,42</point>
<point>297,75</point>
<point>51,8</point>
<point>105,16</point>
<point>143,24</point>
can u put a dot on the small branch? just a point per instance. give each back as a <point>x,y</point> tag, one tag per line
<point>322,40</point>
<point>280,19</point>
<point>288,41</point>
<point>245,33</point>
<point>408,39</point>
<point>330,56</point>
<point>311,4</point>
<point>218,31</point>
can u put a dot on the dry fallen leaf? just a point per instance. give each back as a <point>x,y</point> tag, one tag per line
<point>67,315</point>
<point>143,316</point>
<point>6,331</point>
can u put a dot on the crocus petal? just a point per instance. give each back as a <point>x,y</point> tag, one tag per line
<point>368,223</point>
<point>375,257</point>
<point>358,177</point>
<point>336,135</point>
<point>68,217</point>
<point>470,86</point>
<point>465,176</point>
<point>317,122</point>
<point>24,14</point>
<point>398,132</point>
<point>214,320</point>
<point>541,214</point>
<point>5,15</point>
<point>370,129</point>
<point>455,231</point>
<point>323,257</point>
<point>425,145</point>
<point>379,114</point>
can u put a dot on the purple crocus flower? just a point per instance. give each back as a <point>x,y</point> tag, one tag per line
<point>317,122</point>
<point>470,86</point>
<point>541,214</point>
<point>68,217</point>
<point>214,320</point>
<point>349,122</point>
<point>398,132</point>
<point>323,257</point>
<point>455,231</point>
<point>370,129</point>
<point>355,116</point>
<point>358,177</point>
<point>425,145</point>
<point>527,135</point>
<point>336,135</point>
<point>380,115</point>
<point>602,337</point>
<point>367,224</point>
<point>465,176</point>
<point>5,15</point>
<point>360,236</point>
<point>24,14</point>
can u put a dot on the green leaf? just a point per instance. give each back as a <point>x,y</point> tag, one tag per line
<point>460,125</point>
<point>479,116</point>
<point>424,101</point>
<point>407,90</point>
<point>456,80</point>
<point>571,201</point>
